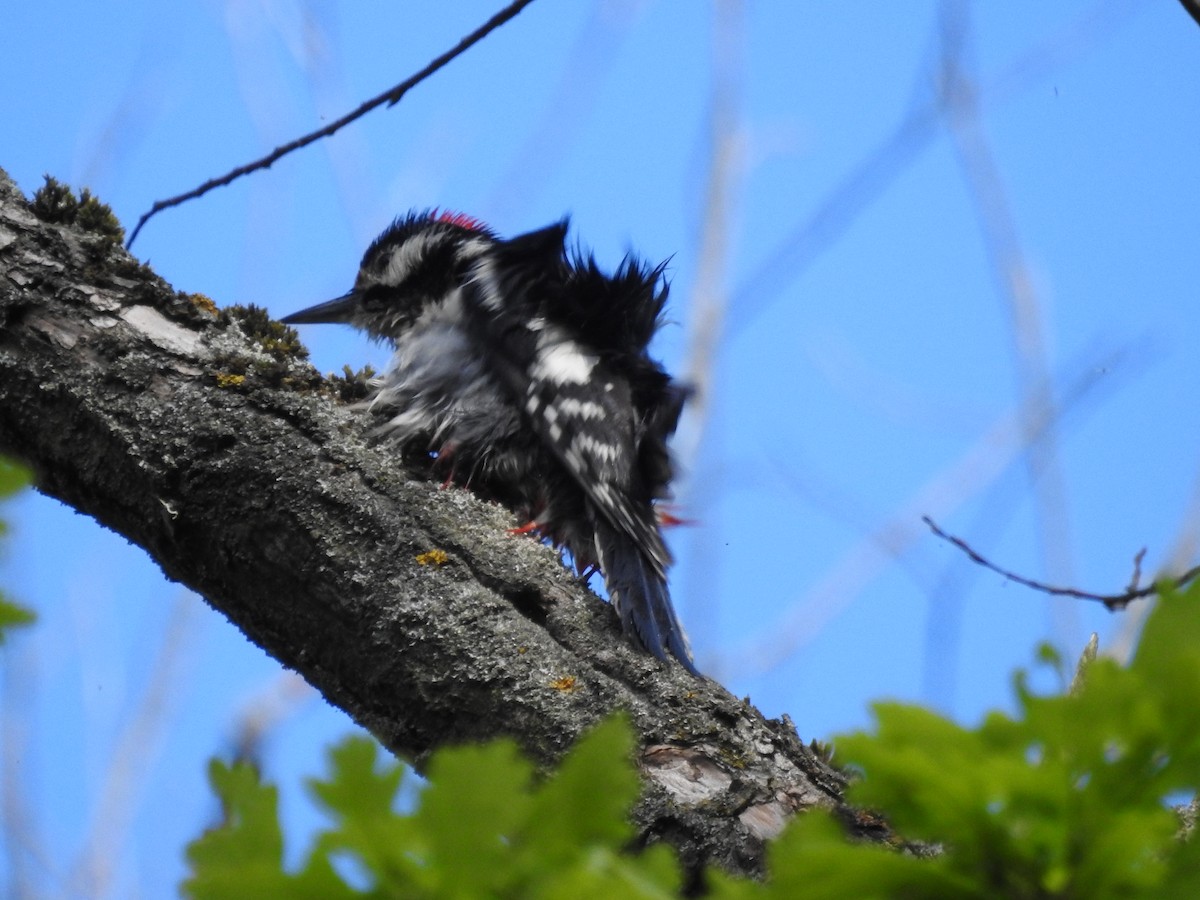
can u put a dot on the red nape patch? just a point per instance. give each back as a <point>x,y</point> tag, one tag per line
<point>462,220</point>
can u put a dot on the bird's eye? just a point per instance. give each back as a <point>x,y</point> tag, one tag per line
<point>376,298</point>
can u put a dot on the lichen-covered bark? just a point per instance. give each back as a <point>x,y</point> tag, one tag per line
<point>198,438</point>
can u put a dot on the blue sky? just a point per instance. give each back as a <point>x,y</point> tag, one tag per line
<point>866,370</point>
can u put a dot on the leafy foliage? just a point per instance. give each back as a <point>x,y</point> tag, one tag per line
<point>13,478</point>
<point>485,826</point>
<point>1069,797</point>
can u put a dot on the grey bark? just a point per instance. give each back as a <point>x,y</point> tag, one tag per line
<point>237,470</point>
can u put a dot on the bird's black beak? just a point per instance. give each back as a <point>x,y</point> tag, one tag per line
<point>338,310</point>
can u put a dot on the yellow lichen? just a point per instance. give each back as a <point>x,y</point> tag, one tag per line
<point>229,380</point>
<point>203,303</point>
<point>433,558</point>
<point>567,684</point>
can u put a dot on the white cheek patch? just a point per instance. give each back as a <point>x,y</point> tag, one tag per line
<point>406,257</point>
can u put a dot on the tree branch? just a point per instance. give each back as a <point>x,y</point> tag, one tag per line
<point>198,437</point>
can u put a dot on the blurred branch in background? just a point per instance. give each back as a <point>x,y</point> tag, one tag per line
<point>783,264</point>
<point>27,860</point>
<point>20,827</point>
<point>549,141</point>
<point>138,743</point>
<point>958,92</point>
<point>844,579</point>
<point>278,700</point>
<point>709,301</point>
<point>708,304</point>
<point>840,208</point>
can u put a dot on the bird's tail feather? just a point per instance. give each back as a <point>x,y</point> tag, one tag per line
<point>637,588</point>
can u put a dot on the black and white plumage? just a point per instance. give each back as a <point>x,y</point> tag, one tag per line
<point>526,370</point>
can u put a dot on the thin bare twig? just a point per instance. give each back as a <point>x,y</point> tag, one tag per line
<point>1136,579</point>
<point>390,97</point>
<point>1111,601</point>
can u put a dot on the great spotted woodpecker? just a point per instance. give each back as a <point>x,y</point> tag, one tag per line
<point>526,370</point>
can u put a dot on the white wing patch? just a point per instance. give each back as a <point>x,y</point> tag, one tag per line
<point>563,362</point>
<point>580,409</point>
<point>474,248</point>
<point>484,275</point>
<point>587,447</point>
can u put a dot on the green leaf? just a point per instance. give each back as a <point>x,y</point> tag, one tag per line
<point>361,795</point>
<point>1167,660</point>
<point>813,859</point>
<point>13,616</point>
<point>586,800</point>
<point>246,845</point>
<point>355,789</point>
<point>13,477</point>
<point>476,800</point>
<point>481,828</point>
<point>1065,798</point>
<point>601,873</point>
<point>243,856</point>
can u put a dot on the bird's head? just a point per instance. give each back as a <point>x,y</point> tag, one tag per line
<point>416,262</point>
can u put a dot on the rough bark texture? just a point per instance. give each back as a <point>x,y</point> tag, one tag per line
<point>200,437</point>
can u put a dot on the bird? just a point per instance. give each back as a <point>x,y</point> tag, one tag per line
<point>524,370</point>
